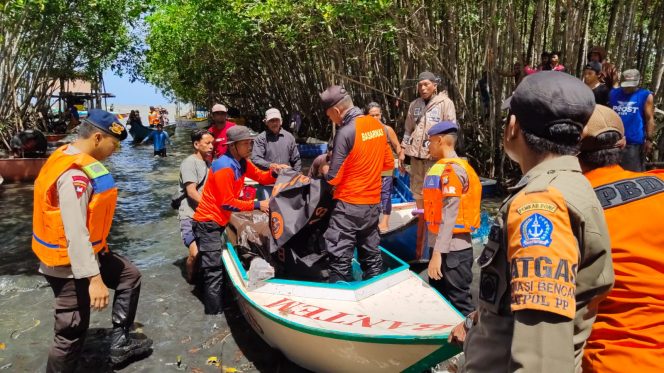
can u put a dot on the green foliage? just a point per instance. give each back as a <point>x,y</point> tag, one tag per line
<point>45,40</point>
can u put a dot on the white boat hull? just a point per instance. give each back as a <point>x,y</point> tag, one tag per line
<point>396,323</point>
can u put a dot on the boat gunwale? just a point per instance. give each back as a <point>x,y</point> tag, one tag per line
<point>403,266</point>
<point>326,333</point>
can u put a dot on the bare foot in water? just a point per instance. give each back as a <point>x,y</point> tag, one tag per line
<point>383,228</point>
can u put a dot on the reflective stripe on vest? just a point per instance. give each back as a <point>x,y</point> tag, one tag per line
<point>48,238</point>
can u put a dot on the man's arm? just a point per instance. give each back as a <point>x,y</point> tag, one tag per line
<point>409,126</point>
<point>258,153</point>
<point>262,177</point>
<point>448,110</point>
<point>543,303</point>
<point>649,116</point>
<point>224,180</point>
<point>295,161</point>
<point>74,191</point>
<point>394,140</point>
<point>343,145</point>
<point>542,342</point>
<point>148,137</point>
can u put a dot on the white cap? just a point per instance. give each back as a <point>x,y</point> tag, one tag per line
<point>271,114</point>
<point>219,107</point>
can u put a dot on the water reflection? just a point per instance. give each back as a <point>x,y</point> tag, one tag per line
<point>145,227</point>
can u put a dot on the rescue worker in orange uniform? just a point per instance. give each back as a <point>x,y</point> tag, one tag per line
<point>220,198</point>
<point>452,194</point>
<point>547,261</point>
<point>361,153</point>
<point>74,202</point>
<point>153,117</point>
<point>628,333</point>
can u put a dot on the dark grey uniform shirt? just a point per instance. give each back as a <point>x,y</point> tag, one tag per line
<point>281,149</point>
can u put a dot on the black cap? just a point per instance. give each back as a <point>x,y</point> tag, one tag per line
<point>332,95</point>
<point>106,122</point>
<point>427,75</point>
<point>548,98</point>
<point>595,66</point>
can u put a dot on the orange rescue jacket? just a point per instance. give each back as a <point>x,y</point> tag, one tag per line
<point>628,333</point>
<point>441,181</point>
<point>49,242</point>
<point>153,118</point>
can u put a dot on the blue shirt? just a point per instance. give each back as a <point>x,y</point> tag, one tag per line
<point>159,140</point>
<point>631,108</point>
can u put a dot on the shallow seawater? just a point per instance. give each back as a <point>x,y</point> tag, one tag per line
<point>146,230</point>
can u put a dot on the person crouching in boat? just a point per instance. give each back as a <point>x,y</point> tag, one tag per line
<point>452,194</point>
<point>361,153</point>
<point>74,202</point>
<point>221,197</point>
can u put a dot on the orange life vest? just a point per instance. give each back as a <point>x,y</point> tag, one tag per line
<point>48,234</point>
<point>438,184</point>
<point>153,118</point>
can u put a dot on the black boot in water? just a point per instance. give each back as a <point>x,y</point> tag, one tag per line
<point>125,346</point>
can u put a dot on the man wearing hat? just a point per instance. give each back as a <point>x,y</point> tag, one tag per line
<point>636,107</point>
<point>424,112</point>
<point>630,322</point>
<point>74,202</point>
<point>591,76</point>
<point>275,146</point>
<point>221,197</point>
<point>218,129</point>
<point>547,260</point>
<point>452,194</point>
<point>361,153</point>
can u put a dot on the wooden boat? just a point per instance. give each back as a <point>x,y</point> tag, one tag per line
<point>391,323</point>
<point>138,132</point>
<point>191,123</point>
<point>55,137</point>
<point>17,170</point>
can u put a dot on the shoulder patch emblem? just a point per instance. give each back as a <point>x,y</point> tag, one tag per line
<point>80,185</point>
<point>537,206</point>
<point>536,231</point>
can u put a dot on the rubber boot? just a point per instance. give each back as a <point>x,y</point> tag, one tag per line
<point>124,346</point>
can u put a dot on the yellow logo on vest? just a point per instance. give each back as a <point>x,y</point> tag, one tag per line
<point>536,206</point>
<point>372,134</point>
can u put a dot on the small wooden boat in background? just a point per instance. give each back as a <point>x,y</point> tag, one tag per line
<point>393,322</point>
<point>191,123</point>
<point>21,170</point>
<point>55,137</point>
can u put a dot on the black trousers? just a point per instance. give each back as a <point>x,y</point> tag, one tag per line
<point>457,269</point>
<point>210,245</point>
<point>353,226</point>
<point>72,308</point>
<point>161,153</point>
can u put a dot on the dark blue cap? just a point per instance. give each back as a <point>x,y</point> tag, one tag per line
<point>107,122</point>
<point>443,128</point>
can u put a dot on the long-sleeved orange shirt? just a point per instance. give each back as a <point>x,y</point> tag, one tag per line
<point>221,194</point>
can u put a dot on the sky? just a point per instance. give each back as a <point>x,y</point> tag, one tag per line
<point>136,93</point>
